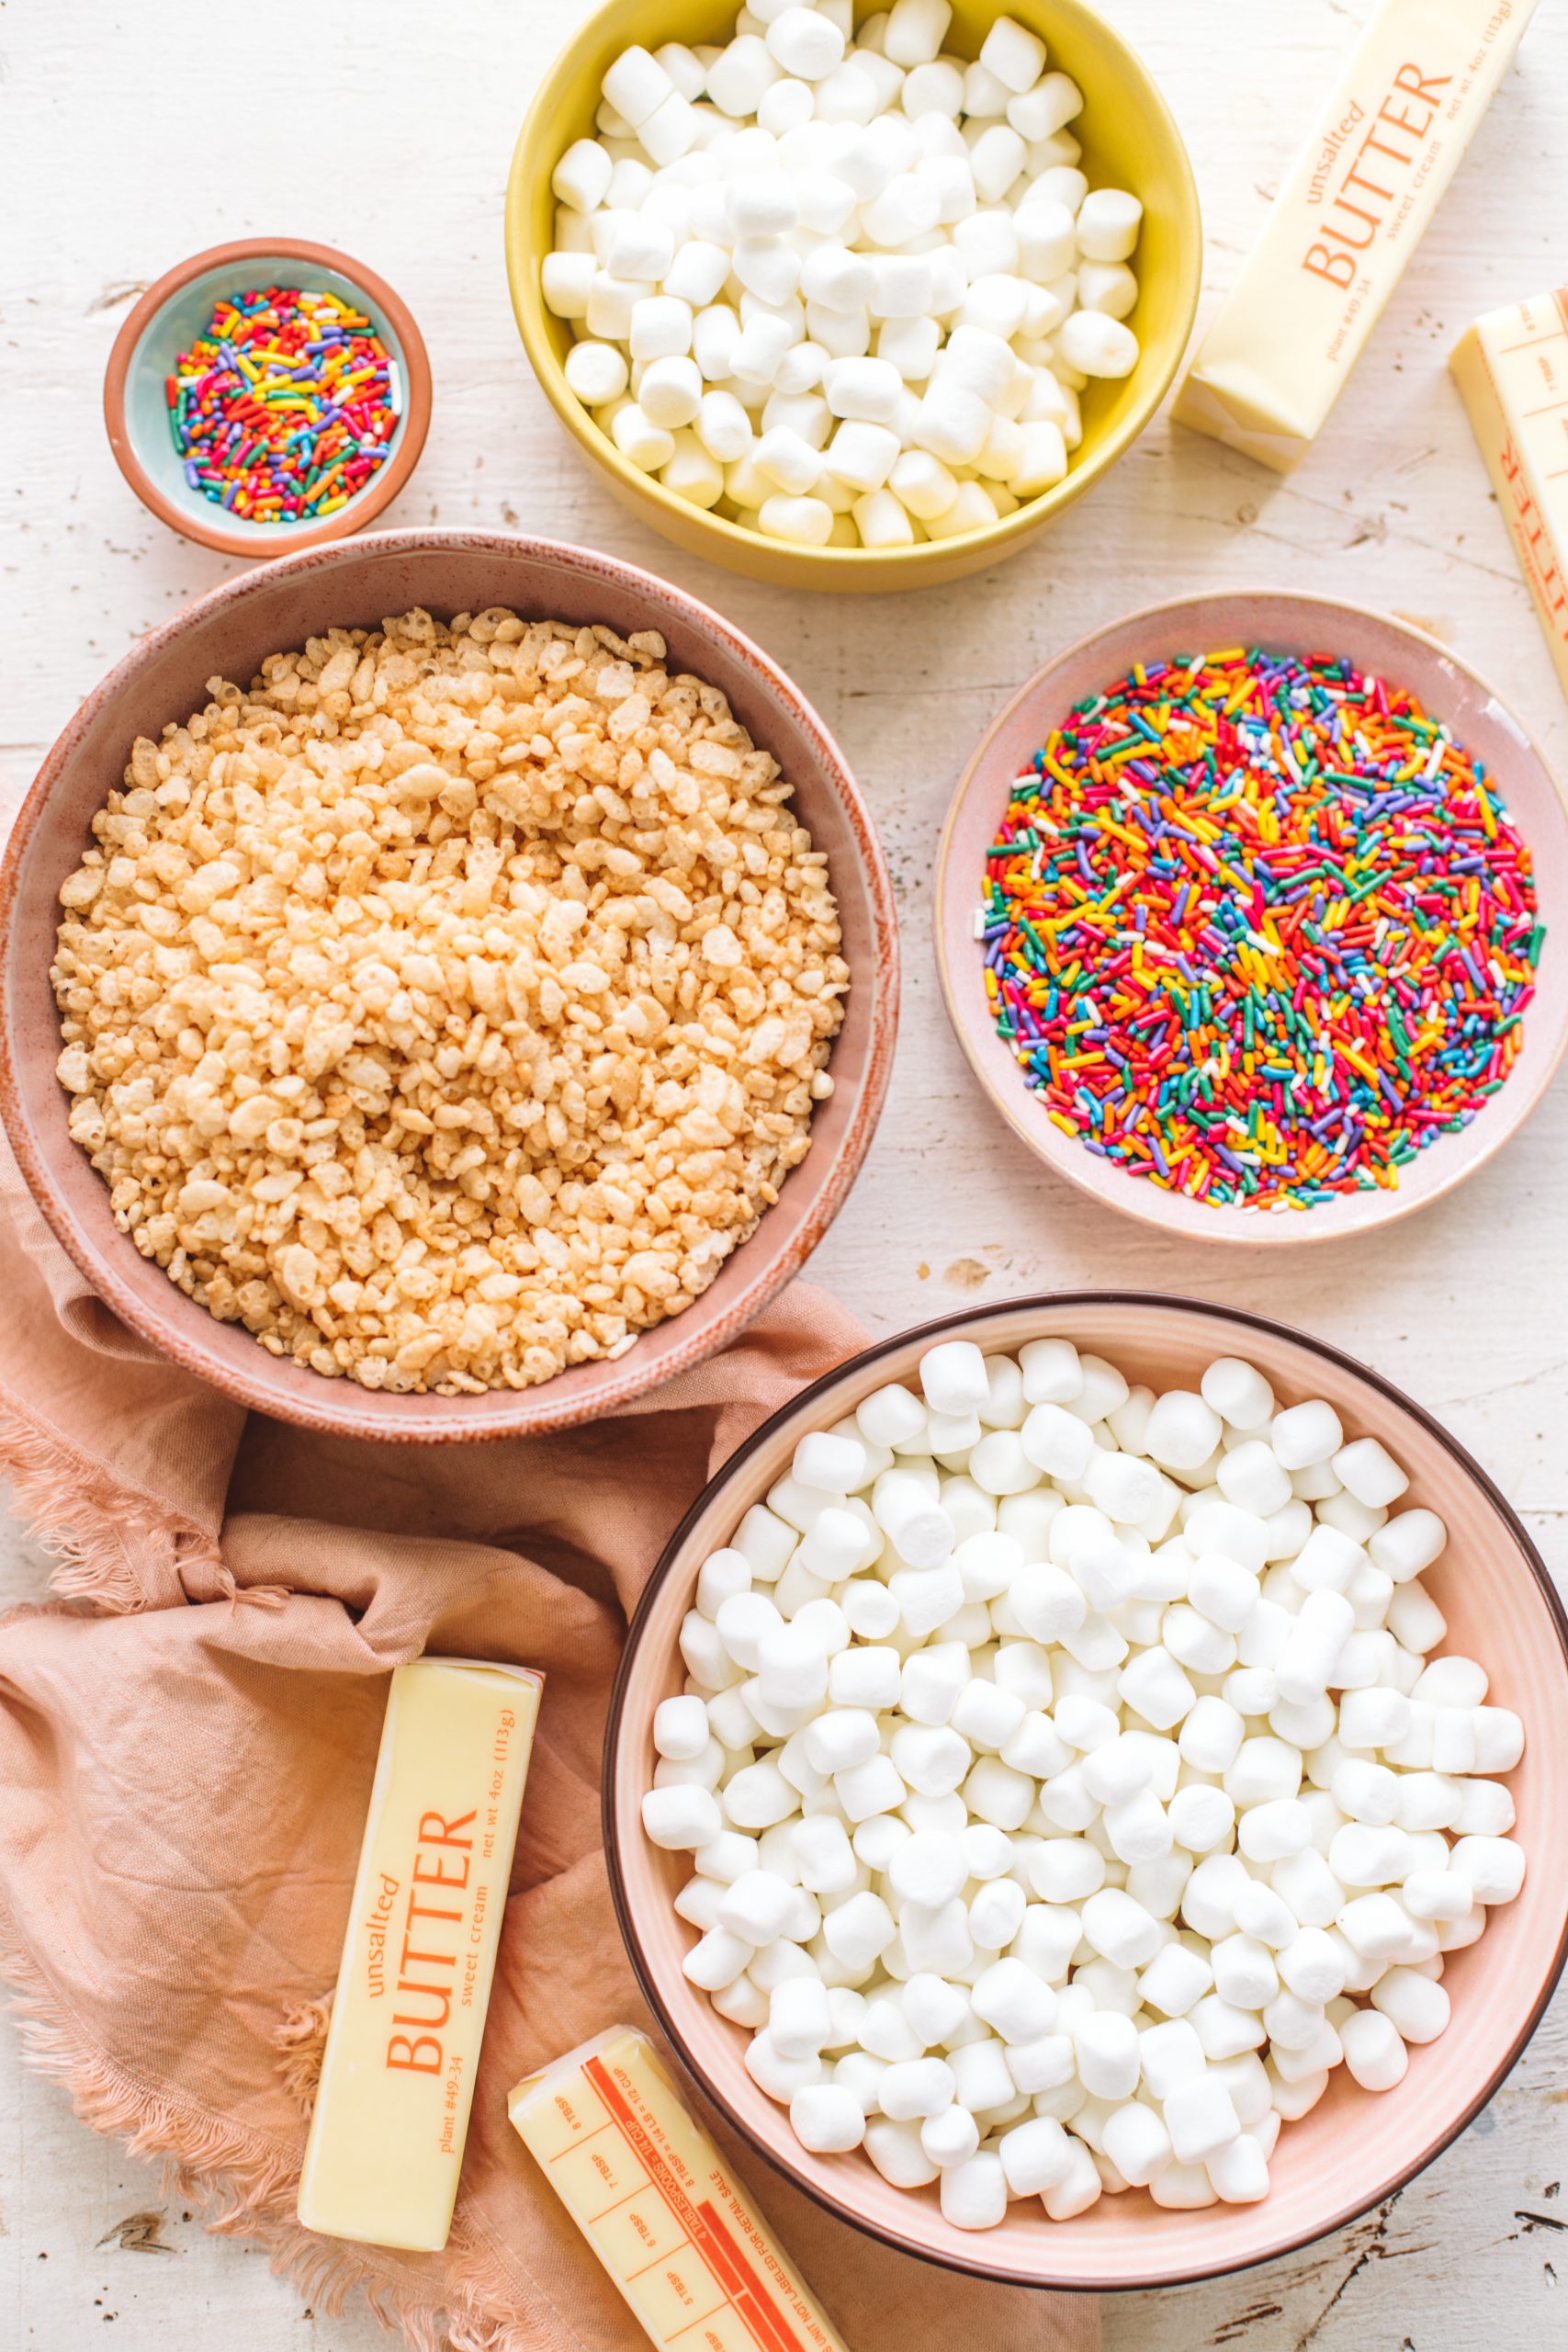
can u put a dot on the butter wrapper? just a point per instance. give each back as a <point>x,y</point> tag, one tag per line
<point>1351,213</point>
<point>391,2112</point>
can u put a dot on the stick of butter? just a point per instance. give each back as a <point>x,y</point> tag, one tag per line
<point>391,2111</point>
<point>1349,217</point>
<point>659,2206</point>
<point>1512,372</point>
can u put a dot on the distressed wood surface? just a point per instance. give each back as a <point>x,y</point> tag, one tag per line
<point>129,137</point>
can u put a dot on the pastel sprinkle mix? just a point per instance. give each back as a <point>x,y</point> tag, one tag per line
<point>1257,930</point>
<point>285,406</point>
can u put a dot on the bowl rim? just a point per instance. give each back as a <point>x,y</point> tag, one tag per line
<point>342,1408</point>
<point>360,509</point>
<point>841,567</point>
<point>966,1318</point>
<point>1146,1207</point>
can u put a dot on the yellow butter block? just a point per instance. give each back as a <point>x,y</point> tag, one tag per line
<point>659,2206</point>
<point>391,2112</point>
<point>1512,372</point>
<point>1351,213</point>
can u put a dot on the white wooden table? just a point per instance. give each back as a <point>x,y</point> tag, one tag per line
<point>114,164</point>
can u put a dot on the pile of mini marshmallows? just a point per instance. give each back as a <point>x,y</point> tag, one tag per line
<point>1068,1786</point>
<point>843,290</point>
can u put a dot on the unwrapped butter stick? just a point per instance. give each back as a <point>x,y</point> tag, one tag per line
<point>1349,215</point>
<point>659,2206</point>
<point>1512,372</point>
<point>391,2111</point>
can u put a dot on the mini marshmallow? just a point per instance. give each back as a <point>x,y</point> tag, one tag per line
<point>806,522</point>
<point>1200,2118</point>
<point>915,2088</point>
<point>1181,1430</point>
<point>914,30</point>
<point>1407,1543</point>
<point>681,1818</point>
<point>1108,225</point>
<point>1108,2060</point>
<point>953,1376</point>
<point>1493,1868</point>
<point>895,2150</point>
<point>950,2137</point>
<point>1375,2054</point>
<point>1303,1436</point>
<point>827,2118</point>
<point>1369,1472</point>
<point>1416,2007</point>
<point>975,2194</point>
<point>637,85</point>
<point>1013,54</point>
<point>680,1727</point>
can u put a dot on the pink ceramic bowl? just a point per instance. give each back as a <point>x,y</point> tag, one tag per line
<point>1354,2149</point>
<point>1281,623</point>
<point>227,634</point>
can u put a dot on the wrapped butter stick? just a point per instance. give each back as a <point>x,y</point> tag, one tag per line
<point>1349,215</point>
<point>391,2111</point>
<point>1512,372</point>
<point>659,2206</point>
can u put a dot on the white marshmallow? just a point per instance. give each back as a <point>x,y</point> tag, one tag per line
<point>1374,2052</point>
<point>974,2194</point>
<point>915,30</point>
<point>1182,1430</point>
<point>1035,2156</point>
<point>681,1817</point>
<point>1109,223</point>
<point>1303,1436</point>
<point>1013,54</point>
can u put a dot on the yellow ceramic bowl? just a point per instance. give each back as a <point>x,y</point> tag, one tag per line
<point>1130,141</point>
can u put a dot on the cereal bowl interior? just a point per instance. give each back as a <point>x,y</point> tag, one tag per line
<point>1279,623</point>
<point>1353,2148</point>
<point>1130,141</point>
<point>227,635</point>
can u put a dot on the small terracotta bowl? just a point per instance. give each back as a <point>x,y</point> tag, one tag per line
<point>1279,623</point>
<point>1355,2148</point>
<point>169,318</point>
<point>227,634</point>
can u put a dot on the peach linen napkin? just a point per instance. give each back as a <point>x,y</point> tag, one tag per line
<point>186,1738</point>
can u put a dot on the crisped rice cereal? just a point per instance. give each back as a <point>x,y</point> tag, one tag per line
<point>447,1006</point>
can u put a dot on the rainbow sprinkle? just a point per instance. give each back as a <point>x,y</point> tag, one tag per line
<point>285,406</point>
<point>1257,930</point>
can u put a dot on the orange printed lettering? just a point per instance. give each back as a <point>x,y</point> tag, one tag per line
<point>411,2061</point>
<point>1338,268</point>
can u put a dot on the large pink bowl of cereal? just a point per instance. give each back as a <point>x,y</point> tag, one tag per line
<point>450,986</point>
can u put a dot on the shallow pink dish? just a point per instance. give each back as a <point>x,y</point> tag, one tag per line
<point>1281,623</point>
<point>227,634</point>
<point>1355,2148</point>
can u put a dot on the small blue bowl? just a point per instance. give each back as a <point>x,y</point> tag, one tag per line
<point>170,316</point>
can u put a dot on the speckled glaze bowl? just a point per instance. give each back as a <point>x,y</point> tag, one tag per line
<point>227,634</point>
<point>1279,623</point>
<point>1354,2149</point>
<point>1130,139</point>
<point>173,311</point>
